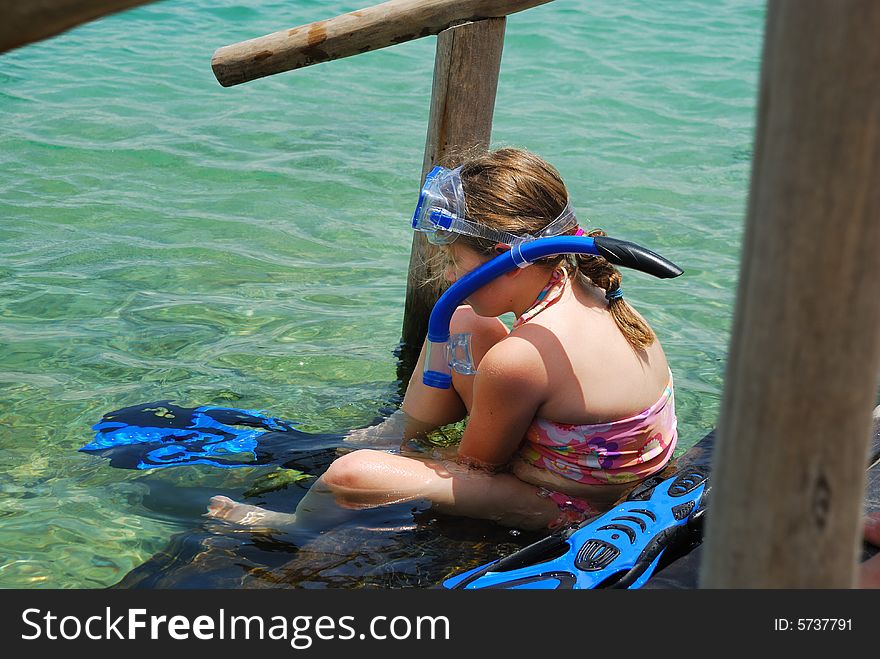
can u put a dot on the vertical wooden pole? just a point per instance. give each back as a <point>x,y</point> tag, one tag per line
<point>466,70</point>
<point>789,472</point>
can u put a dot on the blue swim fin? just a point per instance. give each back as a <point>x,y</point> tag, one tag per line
<point>619,549</point>
<point>161,434</point>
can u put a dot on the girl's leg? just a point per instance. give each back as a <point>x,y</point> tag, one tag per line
<point>364,479</point>
<point>368,478</point>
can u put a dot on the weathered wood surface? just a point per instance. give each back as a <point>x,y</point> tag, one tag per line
<point>803,366</point>
<point>27,21</point>
<point>466,68</point>
<point>357,32</point>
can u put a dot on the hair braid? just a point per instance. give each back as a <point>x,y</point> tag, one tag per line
<point>603,274</point>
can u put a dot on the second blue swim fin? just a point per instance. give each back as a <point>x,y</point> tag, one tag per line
<point>162,434</point>
<point>619,549</point>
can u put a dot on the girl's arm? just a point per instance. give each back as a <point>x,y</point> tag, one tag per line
<point>509,387</point>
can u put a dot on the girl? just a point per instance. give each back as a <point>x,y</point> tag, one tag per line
<point>566,411</point>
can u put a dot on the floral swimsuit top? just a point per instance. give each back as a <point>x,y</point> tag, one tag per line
<point>605,453</point>
<point>621,451</point>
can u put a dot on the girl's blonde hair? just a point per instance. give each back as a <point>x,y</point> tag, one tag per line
<point>518,192</point>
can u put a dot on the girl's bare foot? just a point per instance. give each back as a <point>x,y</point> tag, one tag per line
<point>241,513</point>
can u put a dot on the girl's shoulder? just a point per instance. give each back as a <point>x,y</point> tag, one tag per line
<point>516,358</point>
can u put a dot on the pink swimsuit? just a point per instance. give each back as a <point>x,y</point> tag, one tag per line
<point>623,451</point>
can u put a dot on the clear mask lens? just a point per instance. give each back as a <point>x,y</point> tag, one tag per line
<point>441,237</point>
<point>441,203</point>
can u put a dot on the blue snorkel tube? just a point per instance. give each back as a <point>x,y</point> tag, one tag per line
<point>444,355</point>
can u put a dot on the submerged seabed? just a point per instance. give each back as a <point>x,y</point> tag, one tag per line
<point>166,238</point>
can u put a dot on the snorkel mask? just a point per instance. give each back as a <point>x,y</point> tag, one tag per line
<point>441,214</point>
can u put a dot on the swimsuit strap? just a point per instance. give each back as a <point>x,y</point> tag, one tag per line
<point>547,297</point>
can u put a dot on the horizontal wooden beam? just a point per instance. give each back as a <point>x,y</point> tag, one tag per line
<point>27,21</point>
<point>357,32</point>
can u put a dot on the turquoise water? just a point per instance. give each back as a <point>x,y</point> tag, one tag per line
<point>166,238</point>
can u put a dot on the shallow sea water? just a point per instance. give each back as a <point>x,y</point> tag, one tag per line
<point>166,238</point>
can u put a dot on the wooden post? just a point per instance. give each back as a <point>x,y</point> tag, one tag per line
<point>357,32</point>
<point>466,70</point>
<point>466,66</point>
<point>26,21</point>
<point>789,472</point>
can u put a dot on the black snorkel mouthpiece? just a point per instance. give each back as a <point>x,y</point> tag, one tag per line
<point>630,255</point>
